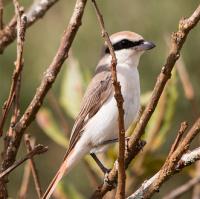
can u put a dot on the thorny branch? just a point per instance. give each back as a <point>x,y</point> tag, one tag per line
<point>38,149</point>
<point>186,160</point>
<point>177,40</point>
<point>120,194</point>
<point>169,166</point>
<point>35,12</point>
<point>46,83</point>
<point>33,166</point>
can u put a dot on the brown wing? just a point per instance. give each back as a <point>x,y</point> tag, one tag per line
<point>96,94</point>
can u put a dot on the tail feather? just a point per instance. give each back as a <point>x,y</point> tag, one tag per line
<point>72,158</point>
<point>62,170</point>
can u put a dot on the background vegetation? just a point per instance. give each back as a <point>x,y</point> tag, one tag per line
<point>152,19</point>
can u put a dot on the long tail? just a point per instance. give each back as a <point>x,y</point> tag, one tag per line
<point>69,161</point>
<point>62,170</point>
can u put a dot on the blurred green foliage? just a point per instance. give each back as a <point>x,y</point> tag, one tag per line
<point>153,19</point>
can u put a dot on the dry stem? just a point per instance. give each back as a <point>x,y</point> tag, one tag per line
<point>120,194</point>
<point>33,166</point>
<point>38,149</point>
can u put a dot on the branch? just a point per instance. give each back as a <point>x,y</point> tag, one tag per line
<point>183,188</point>
<point>175,162</point>
<point>25,182</point>
<point>46,83</point>
<point>178,39</point>
<point>38,149</point>
<point>33,166</point>
<point>119,99</point>
<point>35,12</point>
<point>186,160</point>
<point>16,78</point>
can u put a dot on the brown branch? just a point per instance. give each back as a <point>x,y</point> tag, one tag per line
<point>46,83</point>
<point>35,12</point>
<point>38,149</point>
<point>33,166</point>
<point>170,166</point>
<point>178,39</point>
<point>182,189</point>
<point>186,160</point>
<point>120,194</point>
<point>13,94</point>
<point>25,182</point>
<point>181,131</point>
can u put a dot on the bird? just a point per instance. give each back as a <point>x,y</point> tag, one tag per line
<point>96,125</point>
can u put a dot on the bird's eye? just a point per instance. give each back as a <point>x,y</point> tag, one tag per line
<point>124,44</point>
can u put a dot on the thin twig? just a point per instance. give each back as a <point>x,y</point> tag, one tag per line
<point>120,194</point>
<point>46,83</point>
<point>25,181</point>
<point>21,28</point>
<point>181,131</point>
<point>14,94</point>
<point>33,166</point>
<point>178,39</point>
<point>186,160</point>
<point>35,12</point>
<point>172,163</point>
<point>182,189</point>
<point>38,149</point>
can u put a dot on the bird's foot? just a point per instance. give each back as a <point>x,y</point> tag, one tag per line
<point>107,180</point>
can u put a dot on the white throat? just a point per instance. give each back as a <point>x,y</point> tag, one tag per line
<point>124,57</point>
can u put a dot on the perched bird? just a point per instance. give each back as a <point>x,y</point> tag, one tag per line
<point>96,125</point>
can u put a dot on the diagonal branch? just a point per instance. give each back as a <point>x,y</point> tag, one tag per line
<point>186,160</point>
<point>35,12</point>
<point>177,41</point>
<point>46,83</point>
<point>120,194</point>
<point>38,149</point>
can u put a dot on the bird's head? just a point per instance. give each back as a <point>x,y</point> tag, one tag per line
<point>128,47</point>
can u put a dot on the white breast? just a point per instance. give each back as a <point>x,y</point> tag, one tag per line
<point>103,125</point>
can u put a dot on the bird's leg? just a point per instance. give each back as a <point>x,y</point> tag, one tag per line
<point>103,168</point>
<point>99,163</point>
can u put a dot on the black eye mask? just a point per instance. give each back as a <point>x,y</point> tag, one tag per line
<point>124,44</point>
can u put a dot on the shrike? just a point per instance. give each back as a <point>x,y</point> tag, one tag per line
<point>96,124</point>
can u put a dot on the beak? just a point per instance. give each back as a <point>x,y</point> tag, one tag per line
<point>146,45</point>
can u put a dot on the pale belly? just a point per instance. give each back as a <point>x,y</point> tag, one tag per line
<point>103,125</point>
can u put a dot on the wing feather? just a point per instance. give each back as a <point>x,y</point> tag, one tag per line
<point>96,94</point>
